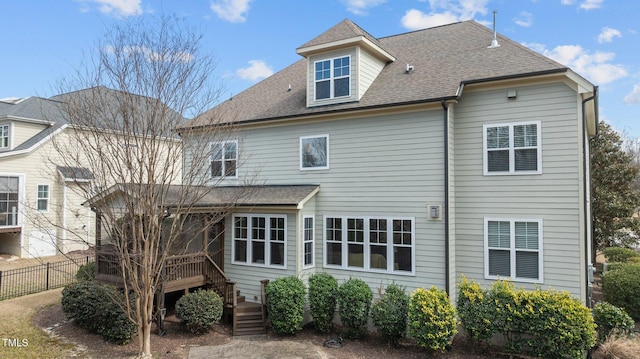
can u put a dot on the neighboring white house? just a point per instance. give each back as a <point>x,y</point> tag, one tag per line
<point>41,210</point>
<point>427,155</point>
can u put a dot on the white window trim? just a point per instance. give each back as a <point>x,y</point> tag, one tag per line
<point>513,250</point>
<point>267,249</point>
<point>222,143</point>
<point>331,79</point>
<point>312,241</point>
<point>9,137</point>
<point>302,168</point>
<point>48,198</point>
<point>21,195</point>
<point>512,171</point>
<point>366,243</point>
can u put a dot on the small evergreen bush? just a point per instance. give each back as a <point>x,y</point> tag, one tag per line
<point>475,311</point>
<point>86,272</point>
<point>619,265</point>
<point>200,310</point>
<point>621,287</point>
<point>611,319</point>
<point>619,254</point>
<point>432,319</point>
<point>389,313</point>
<point>323,292</point>
<point>99,308</point>
<point>285,302</point>
<point>354,301</point>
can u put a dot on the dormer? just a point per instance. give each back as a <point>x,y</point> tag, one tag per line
<point>341,64</point>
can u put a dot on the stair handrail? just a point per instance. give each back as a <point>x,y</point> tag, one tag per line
<point>228,289</point>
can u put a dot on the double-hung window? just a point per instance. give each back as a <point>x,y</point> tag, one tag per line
<point>332,78</point>
<point>370,243</point>
<point>9,197</point>
<point>4,137</point>
<point>513,249</point>
<point>512,148</point>
<point>224,159</point>
<point>308,241</point>
<point>259,240</point>
<point>43,198</point>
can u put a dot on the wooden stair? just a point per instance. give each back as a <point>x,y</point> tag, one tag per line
<point>248,319</point>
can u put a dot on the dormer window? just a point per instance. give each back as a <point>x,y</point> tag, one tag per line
<point>4,137</point>
<point>333,78</point>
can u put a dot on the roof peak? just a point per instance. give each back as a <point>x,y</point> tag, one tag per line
<point>343,30</point>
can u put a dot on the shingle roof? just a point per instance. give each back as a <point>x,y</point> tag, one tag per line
<point>442,57</point>
<point>345,29</point>
<point>75,173</point>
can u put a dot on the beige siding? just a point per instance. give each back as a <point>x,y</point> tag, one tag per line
<point>553,196</point>
<point>369,68</point>
<point>22,131</point>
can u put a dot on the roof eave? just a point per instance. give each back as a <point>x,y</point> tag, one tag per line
<point>352,41</point>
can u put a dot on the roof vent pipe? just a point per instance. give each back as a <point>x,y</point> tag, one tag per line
<point>494,42</point>
<point>408,69</point>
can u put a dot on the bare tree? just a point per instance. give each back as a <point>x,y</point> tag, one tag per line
<point>121,133</point>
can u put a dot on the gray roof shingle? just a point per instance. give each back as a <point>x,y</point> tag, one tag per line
<point>443,58</point>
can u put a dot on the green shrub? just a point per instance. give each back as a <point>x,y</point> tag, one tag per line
<point>621,287</point>
<point>619,254</point>
<point>86,272</point>
<point>99,308</point>
<point>354,301</point>
<point>200,310</point>
<point>432,318</point>
<point>475,310</point>
<point>285,302</point>
<point>610,318</point>
<point>618,265</point>
<point>323,291</point>
<point>389,313</point>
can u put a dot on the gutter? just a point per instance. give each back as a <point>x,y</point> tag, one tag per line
<point>445,209</point>
<point>586,160</point>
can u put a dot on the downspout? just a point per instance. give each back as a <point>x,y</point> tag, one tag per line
<point>586,160</point>
<point>446,194</point>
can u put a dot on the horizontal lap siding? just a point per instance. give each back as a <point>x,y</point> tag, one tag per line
<point>553,196</point>
<point>387,166</point>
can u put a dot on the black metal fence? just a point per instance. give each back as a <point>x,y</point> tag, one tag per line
<point>38,278</point>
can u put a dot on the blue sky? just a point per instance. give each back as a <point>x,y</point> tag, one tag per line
<point>44,41</point>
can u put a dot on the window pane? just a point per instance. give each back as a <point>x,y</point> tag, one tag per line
<point>526,235</point>
<point>341,87</point>
<point>527,265</point>
<point>323,89</point>
<point>216,168</point>
<point>314,152</point>
<point>498,234</point>
<point>378,231</point>
<point>356,255</point>
<point>257,252</point>
<point>498,161</point>
<point>308,253</point>
<point>334,253</point>
<point>42,205</point>
<point>526,159</point>
<point>498,137</point>
<point>258,229</point>
<point>378,257</point>
<point>525,135</point>
<point>402,259</point>
<point>499,263</point>
<point>230,150</point>
<point>277,253</point>
<point>230,168</point>
<point>240,251</point>
<point>355,230</point>
<point>240,227</point>
<point>322,70</point>
<point>334,229</point>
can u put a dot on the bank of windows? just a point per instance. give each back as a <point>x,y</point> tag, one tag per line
<point>512,148</point>
<point>513,249</point>
<point>43,198</point>
<point>378,244</point>
<point>259,240</point>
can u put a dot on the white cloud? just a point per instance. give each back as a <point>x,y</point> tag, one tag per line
<point>118,7</point>
<point>633,97</point>
<point>591,4</point>
<point>567,2</point>
<point>231,10</point>
<point>257,70</point>
<point>608,34</point>
<point>525,19</point>
<point>443,12</point>
<point>596,67</point>
<point>359,7</point>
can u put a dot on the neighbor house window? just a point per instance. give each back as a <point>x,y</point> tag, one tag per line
<point>9,201</point>
<point>512,148</point>
<point>224,159</point>
<point>513,249</point>
<point>43,197</point>
<point>308,241</point>
<point>366,243</point>
<point>4,136</point>
<point>332,78</point>
<point>314,152</point>
<point>259,240</point>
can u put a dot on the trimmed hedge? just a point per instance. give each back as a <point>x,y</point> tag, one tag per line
<point>323,292</point>
<point>285,303</point>
<point>611,320</point>
<point>475,311</point>
<point>200,310</point>
<point>621,287</point>
<point>619,254</point>
<point>432,319</point>
<point>99,308</point>
<point>389,313</point>
<point>354,301</point>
